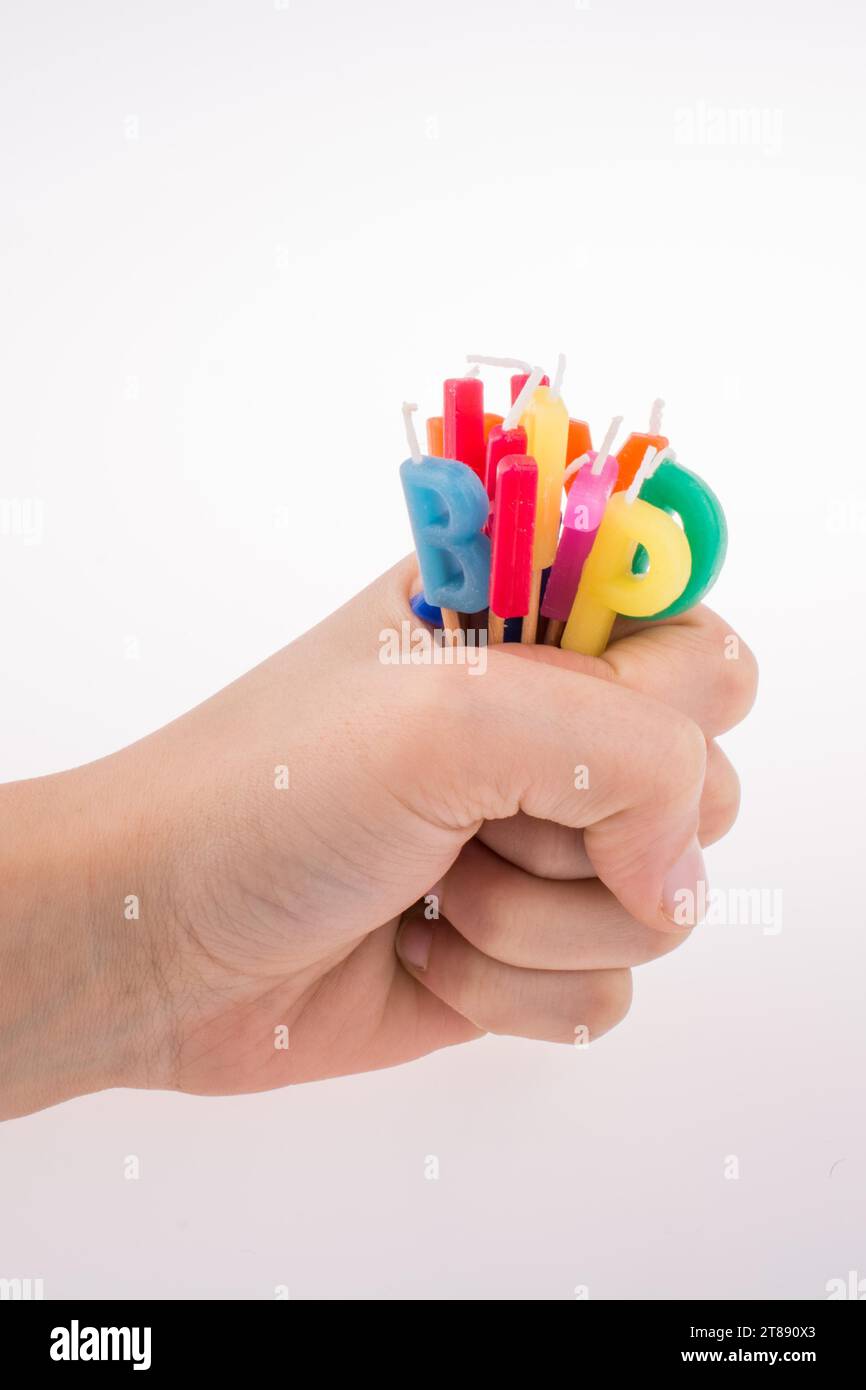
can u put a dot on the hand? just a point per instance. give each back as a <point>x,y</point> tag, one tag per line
<point>263,913</point>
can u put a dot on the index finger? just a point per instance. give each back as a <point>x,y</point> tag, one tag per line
<point>694,662</point>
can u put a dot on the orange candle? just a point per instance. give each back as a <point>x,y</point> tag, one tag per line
<point>632,453</point>
<point>579,443</point>
<point>435,436</point>
<point>490,422</point>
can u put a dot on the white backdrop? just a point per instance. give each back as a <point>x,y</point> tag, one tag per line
<point>235,235</point>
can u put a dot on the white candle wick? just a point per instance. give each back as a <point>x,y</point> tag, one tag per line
<point>556,388</point>
<point>411,435</point>
<point>473,371</point>
<point>665,455</point>
<point>649,463</point>
<point>575,466</point>
<point>655,424</point>
<point>606,444</point>
<point>516,362</point>
<point>512,419</point>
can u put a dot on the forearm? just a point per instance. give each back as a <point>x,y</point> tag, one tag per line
<point>78,1012</point>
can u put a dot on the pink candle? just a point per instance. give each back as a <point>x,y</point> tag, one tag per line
<point>584,508</point>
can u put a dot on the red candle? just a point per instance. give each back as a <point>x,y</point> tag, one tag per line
<point>463,423</point>
<point>519,381</point>
<point>513,533</point>
<point>500,443</point>
<point>490,422</point>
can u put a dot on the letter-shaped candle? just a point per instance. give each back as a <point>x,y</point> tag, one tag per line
<point>675,489</point>
<point>448,507</point>
<point>513,526</point>
<point>608,584</point>
<point>501,443</point>
<point>508,438</point>
<point>582,519</point>
<point>594,480</point>
<point>463,423</point>
<point>545,420</point>
<point>546,423</point>
<point>633,450</point>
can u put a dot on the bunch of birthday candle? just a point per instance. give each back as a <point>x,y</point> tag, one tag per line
<point>519,518</point>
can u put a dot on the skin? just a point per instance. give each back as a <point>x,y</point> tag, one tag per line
<point>263,907</point>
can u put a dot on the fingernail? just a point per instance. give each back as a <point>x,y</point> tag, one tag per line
<point>413,944</point>
<point>685,888</point>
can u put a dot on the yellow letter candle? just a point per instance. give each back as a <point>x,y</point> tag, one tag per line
<point>545,420</point>
<point>607,584</point>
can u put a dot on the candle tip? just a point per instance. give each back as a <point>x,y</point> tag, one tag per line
<point>649,463</point>
<point>655,424</point>
<point>556,388</point>
<point>411,436</point>
<point>575,466</point>
<point>512,419</point>
<point>516,363</point>
<point>606,444</point>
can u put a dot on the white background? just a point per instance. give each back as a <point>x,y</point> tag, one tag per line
<point>234,237</point>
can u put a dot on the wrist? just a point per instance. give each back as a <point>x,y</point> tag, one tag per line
<point>80,1005</point>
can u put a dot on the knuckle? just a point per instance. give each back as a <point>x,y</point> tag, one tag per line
<point>483,999</point>
<point>737,668</point>
<point>741,682</point>
<point>681,756</point>
<point>611,1000</point>
<point>660,943</point>
<point>496,1014</point>
<point>724,814</point>
<point>491,923</point>
<point>720,804</point>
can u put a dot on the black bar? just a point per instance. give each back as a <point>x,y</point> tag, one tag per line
<point>826,1336</point>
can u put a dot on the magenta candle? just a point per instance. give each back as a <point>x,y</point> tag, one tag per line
<point>584,509</point>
